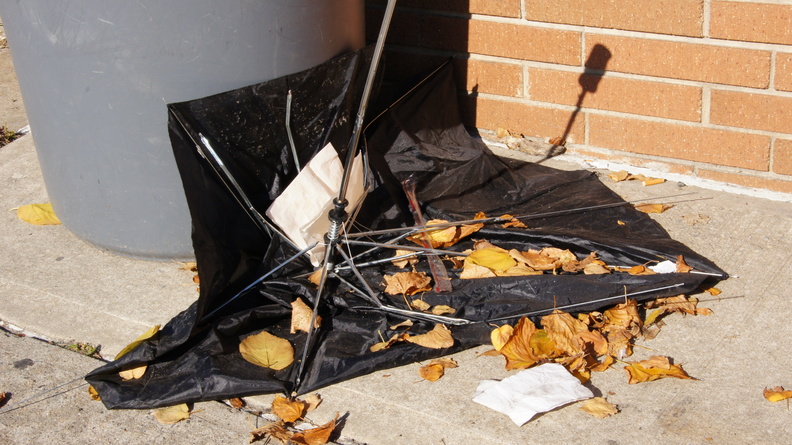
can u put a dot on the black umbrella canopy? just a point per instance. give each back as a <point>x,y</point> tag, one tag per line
<point>196,356</point>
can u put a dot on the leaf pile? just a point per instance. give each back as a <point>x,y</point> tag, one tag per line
<point>290,411</point>
<point>590,342</point>
<point>624,176</point>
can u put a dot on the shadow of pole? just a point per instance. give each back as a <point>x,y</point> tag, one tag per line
<point>593,71</point>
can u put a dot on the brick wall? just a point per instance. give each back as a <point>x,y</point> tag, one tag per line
<point>697,87</point>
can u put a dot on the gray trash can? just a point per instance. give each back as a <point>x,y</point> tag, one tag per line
<point>95,77</point>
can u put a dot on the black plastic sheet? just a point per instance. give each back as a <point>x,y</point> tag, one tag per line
<point>195,357</point>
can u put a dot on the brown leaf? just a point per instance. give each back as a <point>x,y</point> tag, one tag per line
<point>636,270</point>
<point>647,181</point>
<point>518,351</point>
<point>595,269</point>
<point>619,176</point>
<point>679,303</point>
<point>316,276</point>
<point>438,338</point>
<point>620,222</point>
<point>236,403</point>
<point>301,317</point>
<point>563,329</point>
<point>518,271</point>
<point>420,305</point>
<point>557,141</point>
<point>267,350</point>
<point>387,344</point>
<point>91,392</point>
<point>513,222</point>
<point>312,402</point>
<point>431,372</point>
<point>172,414</point>
<point>656,367</point>
<point>276,430</point>
<point>714,291</point>
<point>539,261</point>
<point>404,324</point>
<point>315,436</point>
<point>407,283</point>
<point>445,362</point>
<point>777,394</point>
<point>623,316</point>
<point>472,271</point>
<point>653,208</point>
<point>288,410</point>
<point>599,407</point>
<point>442,309</point>
<point>681,265</point>
<point>190,266</point>
<point>404,262</point>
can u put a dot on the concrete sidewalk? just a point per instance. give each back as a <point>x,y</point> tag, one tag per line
<point>56,286</point>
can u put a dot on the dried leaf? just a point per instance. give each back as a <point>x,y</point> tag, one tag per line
<point>557,141</point>
<point>438,338</point>
<point>714,291</point>
<point>499,336</point>
<point>513,222</point>
<point>387,344</point>
<point>91,392</point>
<point>276,430</point>
<point>519,271</point>
<point>472,271</point>
<point>236,403</point>
<point>445,362</point>
<point>572,336</point>
<point>538,260</point>
<point>301,317</point>
<point>315,436</point>
<point>431,372</point>
<point>404,324</point>
<point>444,237</point>
<point>619,176</point>
<point>38,214</point>
<point>493,258</point>
<point>636,270</point>
<point>407,283</point>
<point>312,402</point>
<point>620,222</point>
<point>190,266</point>
<point>681,265</point>
<point>647,181</point>
<point>653,208</point>
<point>777,394</point>
<point>172,414</point>
<point>404,262</point>
<point>656,367</point>
<point>599,407</point>
<point>442,309</point>
<point>420,305</point>
<point>518,351</point>
<point>145,336</point>
<point>288,410</point>
<point>267,350</point>
<point>133,373</point>
<point>678,303</point>
<point>542,345</point>
<point>595,269</point>
<point>316,276</point>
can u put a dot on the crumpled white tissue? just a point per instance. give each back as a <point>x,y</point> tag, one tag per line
<point>530,392</point>
<point>664,267</point>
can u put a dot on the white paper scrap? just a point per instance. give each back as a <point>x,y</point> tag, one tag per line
<point>530,392</point>
<point>301,210</point>
<point>664,267</point>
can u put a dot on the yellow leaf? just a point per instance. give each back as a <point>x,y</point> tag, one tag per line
<point>133,373</point>
<point>91,391</point>
<point>445,362</point>
<point>267,350</point>
<point>438,338</point>
<point>714,291</point>
<point>288,410</point>
<point>38,214</point>
<point>513,222</point>
<point>276,430</point>
<point>599,407</point>
<point>315,436</point>
<point>172,414</point>
<point>407,283</point>
<point>501,335</point>
<point>777,394</point>
<point>145,336</point>
<point>656,367</point>
<point>493,258</point>
<point>444,237</point>
<point>542,345</point>
<point>301,317</point>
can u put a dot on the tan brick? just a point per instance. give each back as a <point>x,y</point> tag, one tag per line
<point>755,111</point>
<point>689,61</point>
<point>782,156</point>
<point>692,143</point>
<point>783,72</point>
<point>677,17</point>
<point>759,182</point>
<point>503,79</point>
<point>529,120</point>
<point>752,22</point>
<point>616,94</point>
<point>659,166</point>
<point>502,8</point>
